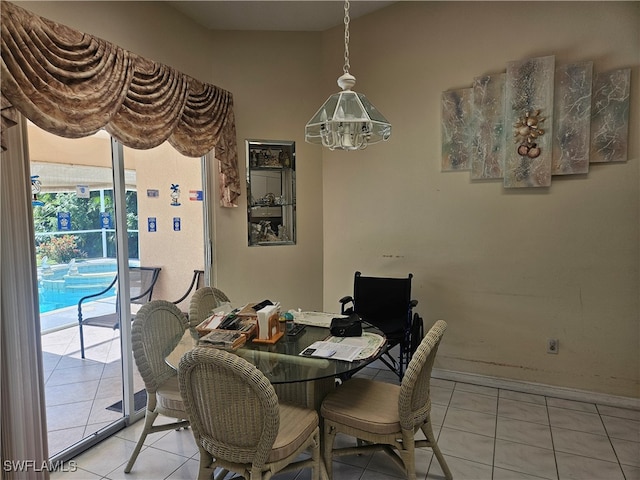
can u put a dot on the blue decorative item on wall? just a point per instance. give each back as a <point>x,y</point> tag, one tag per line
<point>175,194</point>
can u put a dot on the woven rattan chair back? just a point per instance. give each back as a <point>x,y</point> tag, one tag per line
<point>244,423</point>
<point>235,416</point>
<point>387,417</point>
<point>203,301</point>
<point>415,402</point>
<point>158,327</point>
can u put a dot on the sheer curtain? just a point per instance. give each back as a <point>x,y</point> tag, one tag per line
<point>23,418</point>
<point>72,84</point>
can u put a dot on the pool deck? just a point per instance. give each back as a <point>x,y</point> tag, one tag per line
<point>68,316</point>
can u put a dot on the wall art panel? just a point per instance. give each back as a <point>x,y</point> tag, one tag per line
<point>610,116</point>
<point>487,125</point>
<point>456,129</point>
<point>529,121</point>
<point>572,119</point>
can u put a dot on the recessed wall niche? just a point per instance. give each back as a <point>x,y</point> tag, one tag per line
<point>535,121</point>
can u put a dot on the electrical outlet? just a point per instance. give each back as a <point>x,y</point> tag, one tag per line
<point>552,345</point>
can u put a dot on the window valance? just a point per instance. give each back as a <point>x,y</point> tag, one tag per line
<point>73,84</point>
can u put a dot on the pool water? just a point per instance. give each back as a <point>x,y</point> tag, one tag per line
<point>54,300</point>
<point>63,285</point>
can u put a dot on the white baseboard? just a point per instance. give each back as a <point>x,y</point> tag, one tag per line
<point>538,389</point>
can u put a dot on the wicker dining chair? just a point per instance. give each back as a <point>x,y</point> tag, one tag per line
<point>158,327</point>
<point>202,302</point>
<point>237,421</point>
<point>386,417</point>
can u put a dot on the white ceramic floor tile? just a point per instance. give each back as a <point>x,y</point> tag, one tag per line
<point>502,474</point>
<point>380,463</point>
<point>474,401</point>
<point>628,452</point>
<point>622,428</point>
<point>527,412</point>
<point>581,443</point>
<point>631,473</point>
<point>619,412</point>
<point>73,392</point>
<point>571,405</point>
<point>470,421</point>
<point>82,373</point>
<point>535,434</point>
<point>151,463</point>
<point>467,387</point>
<point>187,471</point>
<point>582,433</point>
<point>440,396</point>
<point>107,455</point>
<point>461,469</point>
<point>576,420</point>
<point>68,415</point>
<point>526,459</point>
<point>576,467</point>
<point>470,446</point>
<point>76,474</point>
<point>523,397</point>
<point>180,442</point>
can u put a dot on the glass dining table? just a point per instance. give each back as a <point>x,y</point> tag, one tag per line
<point>301,379</point>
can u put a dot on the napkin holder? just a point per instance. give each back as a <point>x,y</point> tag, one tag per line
<point>268,325</point>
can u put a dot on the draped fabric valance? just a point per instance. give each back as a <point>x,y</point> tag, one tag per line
<point>72,84</point>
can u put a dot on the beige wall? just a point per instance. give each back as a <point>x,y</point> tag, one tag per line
<point>506,268</point>
<point>510,268</point>
<point>178,253</point>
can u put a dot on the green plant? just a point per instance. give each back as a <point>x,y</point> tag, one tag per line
<point>61,249</point>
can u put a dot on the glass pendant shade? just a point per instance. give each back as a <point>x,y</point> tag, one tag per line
<point>347,121</point>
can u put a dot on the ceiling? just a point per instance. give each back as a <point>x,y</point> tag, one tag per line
<point>301,15</point>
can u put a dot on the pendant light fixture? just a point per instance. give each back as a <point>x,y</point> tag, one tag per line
<point>347,120</point>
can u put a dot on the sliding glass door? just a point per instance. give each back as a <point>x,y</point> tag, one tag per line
<point>101,211</point>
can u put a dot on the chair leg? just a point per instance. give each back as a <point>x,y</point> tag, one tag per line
<point>81,341</point>
<point>329,435</point>
<point>431,438</point>
<point>149,418</point>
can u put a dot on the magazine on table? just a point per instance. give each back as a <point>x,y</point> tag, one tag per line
<point>334,351</point>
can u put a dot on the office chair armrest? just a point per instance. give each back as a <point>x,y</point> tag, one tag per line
<point>413,303</point>
<point>343,302</point>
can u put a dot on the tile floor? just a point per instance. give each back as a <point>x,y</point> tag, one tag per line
<point>484,433</point>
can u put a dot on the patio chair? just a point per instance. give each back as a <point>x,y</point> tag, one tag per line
<point>386,417</point>
<point>156,331</point>
<point>386,303</point>
<point>141,283</point>
<point>237,421</point>
<point>197,281</point>
<point>203,301</point>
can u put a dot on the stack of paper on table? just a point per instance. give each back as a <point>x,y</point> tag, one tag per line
<point>224,339</point>
<point>334,351</point>
<point>369,343</point>
<point>315,319</point>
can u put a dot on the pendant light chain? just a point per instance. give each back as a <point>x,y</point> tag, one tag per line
<point>346,67</point>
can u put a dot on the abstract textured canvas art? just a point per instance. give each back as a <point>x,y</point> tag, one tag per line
<point>571,137</point>
<point>529,116</point>
<point>487,126</point>
<point>535,121</point>
<point>610,116</point>
<point>456,129</point>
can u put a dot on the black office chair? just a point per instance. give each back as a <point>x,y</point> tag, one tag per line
<point>386,304</point>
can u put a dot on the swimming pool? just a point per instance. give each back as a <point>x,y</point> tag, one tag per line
<point>61,286</point>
